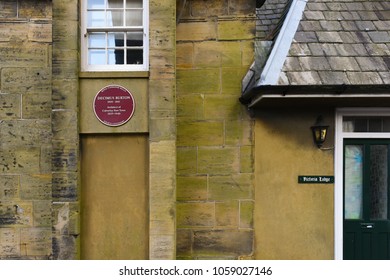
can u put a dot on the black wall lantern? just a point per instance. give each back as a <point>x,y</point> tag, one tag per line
<point>320,131</point>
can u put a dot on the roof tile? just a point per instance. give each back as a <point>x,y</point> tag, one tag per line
<point>343,63</point>
<point>340,42</point>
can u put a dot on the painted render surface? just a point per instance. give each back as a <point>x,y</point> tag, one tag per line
<point>292,220</point>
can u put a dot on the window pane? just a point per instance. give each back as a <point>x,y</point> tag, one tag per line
<point>378,181</point>
<point>115,39</point>
<point>96,19</point>
<point>115,3</point>
<point>134,56</point>
<point>95,4</point>
<point>115,18</point>
<point>97,40</point>
<point>134,39</point>
<point>97,57</point>
<point>366,124</point>
<point>134,17</point>
<point>353,170</point>
<point>134,4</point>
<point>115,56</point>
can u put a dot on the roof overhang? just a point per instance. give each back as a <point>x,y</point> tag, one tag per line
<point>306,96</point>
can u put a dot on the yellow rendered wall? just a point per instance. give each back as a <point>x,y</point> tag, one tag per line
<point>114,191</point>
<point>292,221</point>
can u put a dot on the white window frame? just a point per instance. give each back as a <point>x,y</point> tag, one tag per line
<point>338,163</point>
<point>85,67</point>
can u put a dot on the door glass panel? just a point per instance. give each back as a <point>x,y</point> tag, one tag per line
<point>378,181</point>
<point>353,198</point>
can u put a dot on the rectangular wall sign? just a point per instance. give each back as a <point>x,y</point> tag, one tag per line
<point>309,179</point>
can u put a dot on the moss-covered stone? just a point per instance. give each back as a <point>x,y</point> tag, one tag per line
<point>191,188</point>
<point>195,214</point>
<point>200,133</point>
<point>218,160</point>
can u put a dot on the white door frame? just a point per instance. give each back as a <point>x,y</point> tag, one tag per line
<point>338,164</point>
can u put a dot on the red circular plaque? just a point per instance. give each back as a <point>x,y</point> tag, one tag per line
<point>114,105</point>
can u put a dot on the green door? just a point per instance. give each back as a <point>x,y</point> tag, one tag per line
<point>366,204</point>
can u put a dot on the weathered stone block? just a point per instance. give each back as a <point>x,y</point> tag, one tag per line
<point>236,30</point>
<point>191,188</point>
<point>46,159</point>
<point>162,128</point>
<point>23,80</point>
<point>218,160</point>
<point>200,133</point>
<point>35,241</point>
<point>241,7</point>
<point>163,188</point>
<point>196,31</point>
<point>65,247</point>
<point>223,242</point>
<point>64,186</point>
<point>222,107</point>
<point>231,54</point>
<point>238,132</point>
<point>13,31</point>
<point>65,93</point>
<point>162,95</point>
<point>65,64</point>
<point>9,9</point>
<point>65,218</point>
<point>10,106</point>
<point>65,125</point>
<point>190,107</point>
<point>195,214</point>
<point>163,38</point>
<point>246,159</point>
<point>9,242</point>
<point>35,187</point>
<point>40,32</point>
<point>227,214</point>
<point>64,157</point>
<point>198,81</point>
<point>184,55</point>
<point>183,242</point>
<point>36,105</point>
<point>207,54</point>
<point>162,156</point>
<point>16,213</point>
<point>25,132</point>
<point>162,247</point>
<point>9,187</point>
<point>231,187</point>
<point>209,8</point>
<point>186,160</point>
<point>23,55</point>
<point>39,9</point>
<point>246,213</point>
<point>42,213</point>
<point>231,80</point>
<point>20,160</point>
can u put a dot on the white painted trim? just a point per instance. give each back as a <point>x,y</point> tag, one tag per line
<point>315,96</point>
<point>338,163</point>
<point>271,72</point>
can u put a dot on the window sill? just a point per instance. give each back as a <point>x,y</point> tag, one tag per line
<point>112,74</point>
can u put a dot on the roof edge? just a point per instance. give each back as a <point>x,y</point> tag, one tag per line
<point>271,72</point>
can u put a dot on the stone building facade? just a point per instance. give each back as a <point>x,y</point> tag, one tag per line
<point>208,165</point>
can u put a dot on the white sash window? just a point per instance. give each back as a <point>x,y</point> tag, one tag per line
<point>114,35</point>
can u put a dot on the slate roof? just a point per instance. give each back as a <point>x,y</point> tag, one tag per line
<point>335,52</point>
<point>340,42</point>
